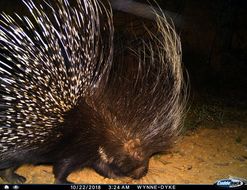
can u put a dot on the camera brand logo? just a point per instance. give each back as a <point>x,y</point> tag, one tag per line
<point>230,183</point>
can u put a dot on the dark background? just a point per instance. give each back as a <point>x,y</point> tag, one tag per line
<point>214,41</point>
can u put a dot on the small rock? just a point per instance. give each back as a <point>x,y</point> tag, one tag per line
<point>189,167</point>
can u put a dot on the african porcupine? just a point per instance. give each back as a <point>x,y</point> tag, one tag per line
<point>64,100</point>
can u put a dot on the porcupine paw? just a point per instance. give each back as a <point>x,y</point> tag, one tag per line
<point>15,178</point>
<point>10,176</point>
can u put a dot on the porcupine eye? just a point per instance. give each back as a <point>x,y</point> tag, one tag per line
<point>127,166</point>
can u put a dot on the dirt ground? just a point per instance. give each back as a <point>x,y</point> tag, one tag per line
<point>201,156</point>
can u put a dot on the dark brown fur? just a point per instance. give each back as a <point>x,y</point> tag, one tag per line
<point>128,108</point>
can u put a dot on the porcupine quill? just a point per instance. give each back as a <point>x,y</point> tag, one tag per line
<point>64,99</point>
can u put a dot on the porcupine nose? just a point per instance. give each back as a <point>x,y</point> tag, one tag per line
<point>139,172</point>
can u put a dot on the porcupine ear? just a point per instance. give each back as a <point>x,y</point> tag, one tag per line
<point>133,149</point>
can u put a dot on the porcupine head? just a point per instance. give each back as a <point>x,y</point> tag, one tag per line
<point>129,103</point>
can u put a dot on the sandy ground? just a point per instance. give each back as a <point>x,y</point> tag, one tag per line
<point>200,156</point>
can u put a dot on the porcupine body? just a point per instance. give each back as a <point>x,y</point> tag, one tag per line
<point>65,101</point>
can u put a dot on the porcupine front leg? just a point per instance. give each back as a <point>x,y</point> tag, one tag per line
<point>62,169</point>
<point>10,176</point>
